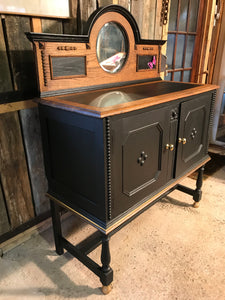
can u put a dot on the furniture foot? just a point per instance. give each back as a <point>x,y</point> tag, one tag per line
<point>106,276</point>
<point>56,222</point>
<point>196,204</point>
<point>197,195</point>
<point>106,289</point>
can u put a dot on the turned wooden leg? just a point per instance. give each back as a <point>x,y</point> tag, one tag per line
<point>56,222</point>
<point>198,192</point>
<point>107,272</point>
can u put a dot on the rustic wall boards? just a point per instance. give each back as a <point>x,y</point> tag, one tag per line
<point>116,137</point>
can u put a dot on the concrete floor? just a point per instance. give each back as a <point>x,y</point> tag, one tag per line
<point>172,251</point>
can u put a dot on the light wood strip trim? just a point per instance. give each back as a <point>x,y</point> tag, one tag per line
<point>133,212</point>
<point>36,25</point>
<point>33,15</point>
<point>125,107</point>
<point>14,106</point>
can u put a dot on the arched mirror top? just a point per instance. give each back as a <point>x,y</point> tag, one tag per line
<point>112,47</point>
<point>110,53</point>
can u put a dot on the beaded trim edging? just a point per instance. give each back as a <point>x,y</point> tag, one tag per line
<point>108,159</point>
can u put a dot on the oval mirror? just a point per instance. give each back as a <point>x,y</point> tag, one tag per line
<point>112,47</point>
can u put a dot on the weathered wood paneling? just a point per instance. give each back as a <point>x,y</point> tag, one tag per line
<point>21,56</point>
<point>5,78</point>
<point>70,26</point>
<point>86,9</point>
<point>158,25</point>
<point>13,171</point>
<point>32,140</point>
<point>4,223</point>
<point>51,26</point>
<point>148,23</point>
<point>137,7</point>
<point>105,2</point>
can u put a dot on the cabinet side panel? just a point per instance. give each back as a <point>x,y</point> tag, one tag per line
<point>74,159</point>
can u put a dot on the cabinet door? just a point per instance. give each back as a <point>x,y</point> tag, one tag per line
<point>194,124</point>
<point>139,157</point>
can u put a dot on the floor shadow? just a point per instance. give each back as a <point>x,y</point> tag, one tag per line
<point>170,200</point>
<point>46,259</point>
<point>215,164</point>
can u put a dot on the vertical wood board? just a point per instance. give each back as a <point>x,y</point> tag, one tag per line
<point>137,12</point>
<point>86,9</point>
<point>158,25</point>
<point>148,24</point>
<point>5,77</point>
<point>13,171</point>
<point>125,3</point>
<point>104,2</point>
<point>51,26</point>
<point>33,146</point>
<point>21,55</point>
<point>70,26</point>
<point>4,222</point>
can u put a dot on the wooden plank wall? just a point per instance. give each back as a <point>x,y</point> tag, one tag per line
<point>22,180</point>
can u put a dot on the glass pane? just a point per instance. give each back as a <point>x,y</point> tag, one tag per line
<point>187,75</point>
<point>170,50</point>
<point>177,76</point>
<point>180,51</point>
<point>183,15</point>
<point>68,66</point>
<point>112,47</point>
<point>173,16</point>
<point>193,15</point>
<point>168,77</point>
<point>189,51</point>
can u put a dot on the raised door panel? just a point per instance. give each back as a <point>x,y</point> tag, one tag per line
<point>193,131</point>
<point>139,157</point>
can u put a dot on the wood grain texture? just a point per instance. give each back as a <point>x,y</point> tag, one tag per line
<point>137,7</point>
<point>215,42</point>
<point>102,112</point>
<point>127,73</point>
<point>21,55</point>
<point>51,26</point>
<point>13,170</point>
<point>125,3</point>
<point>36,25</point>
<point>86,9</point>
<point>70,26</point>
<point>32,140</point>
<point>158,25</point>
<point>4,222</point>
<point>5,77</point>
<point>148,24</point>
<point>14,106</point>
<point>105,2</point>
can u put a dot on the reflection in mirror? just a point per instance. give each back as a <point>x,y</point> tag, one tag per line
<point>112,47</point>
<point>111,98</point>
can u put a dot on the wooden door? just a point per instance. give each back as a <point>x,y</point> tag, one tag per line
<point>139,158</point>
<point>183,38</point>
<point>193,131</point>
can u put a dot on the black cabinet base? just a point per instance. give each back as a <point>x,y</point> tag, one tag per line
<point>81,251</point>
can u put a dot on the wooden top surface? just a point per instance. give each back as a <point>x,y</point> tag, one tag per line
<point>112,101</point>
